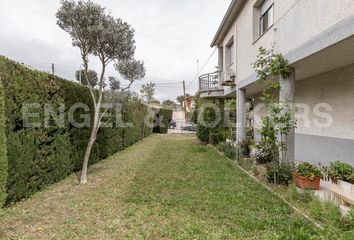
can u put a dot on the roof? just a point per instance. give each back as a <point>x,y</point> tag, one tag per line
<point>227,21</point>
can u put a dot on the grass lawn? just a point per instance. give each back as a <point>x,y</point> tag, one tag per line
<point>166,187</point>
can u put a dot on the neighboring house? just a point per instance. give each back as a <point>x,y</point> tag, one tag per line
<point>317,38</point>
<point>189,103</point>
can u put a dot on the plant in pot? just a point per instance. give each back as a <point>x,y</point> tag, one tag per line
<point>342,177</point>
<point>340,171</point>
<point>307,176</point>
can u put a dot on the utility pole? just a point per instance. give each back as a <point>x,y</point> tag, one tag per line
<point>197,67</point>
<point>185,104</point>
<point>53,68</point>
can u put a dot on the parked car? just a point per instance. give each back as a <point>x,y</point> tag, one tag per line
<point>172,124</point>
<point>189,127</point>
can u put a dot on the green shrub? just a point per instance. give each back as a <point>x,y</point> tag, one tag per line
<point>307,170</point>
<point>221,146</point>
<point>162,120</point>
<point>341,171</point>
<point>228,149</point>
<point>202,133</point>
<point>282,172</point>
<point>38,157</point>
<point>3,155</point>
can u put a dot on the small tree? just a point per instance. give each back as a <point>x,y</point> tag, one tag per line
<point>103,36</point>
<point>148,91</point>
<point>281,119</point>
<point>92,77</point>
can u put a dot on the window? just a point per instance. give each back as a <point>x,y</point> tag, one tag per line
<point>267,17</point>
<point>230,53</point>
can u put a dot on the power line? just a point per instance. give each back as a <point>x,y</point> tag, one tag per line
<point>201,69</point>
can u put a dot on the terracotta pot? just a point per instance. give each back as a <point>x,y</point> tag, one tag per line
<point>305,183</point>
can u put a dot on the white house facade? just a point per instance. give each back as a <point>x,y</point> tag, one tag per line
<point>317,38</point>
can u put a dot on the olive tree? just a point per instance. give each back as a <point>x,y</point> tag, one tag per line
<point>97,34</point>
<point>147,91</point>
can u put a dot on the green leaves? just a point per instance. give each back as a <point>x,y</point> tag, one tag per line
<point>38,157</point>
<point>280,120</point>
<point>147,91</point>
<point>341,171</point>
<point>3,149</point>
<point>131,70</point>
<point>268,66</point>
<point>307,170</point>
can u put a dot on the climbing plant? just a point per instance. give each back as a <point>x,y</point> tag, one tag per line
<point>268,67</point>
<point>280,120</point>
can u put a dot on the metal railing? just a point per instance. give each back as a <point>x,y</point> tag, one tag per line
<point>208,82</point>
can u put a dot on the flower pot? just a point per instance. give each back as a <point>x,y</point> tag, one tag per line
<point>304,183</point>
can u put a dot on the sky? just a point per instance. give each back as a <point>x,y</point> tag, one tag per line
<point>171,36</point>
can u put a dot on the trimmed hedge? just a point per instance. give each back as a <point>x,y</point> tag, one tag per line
<point>3,155</point>
<point>215,134</point>
<point>163,118</point>
<point>38,157</point>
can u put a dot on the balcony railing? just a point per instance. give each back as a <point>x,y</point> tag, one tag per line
<point>209,82</point>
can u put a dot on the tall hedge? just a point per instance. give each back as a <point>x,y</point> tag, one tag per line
<point>162,120</point>
<point>3,156</point>
<point>40,156</point>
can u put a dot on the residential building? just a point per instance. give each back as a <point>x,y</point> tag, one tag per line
<point>189,103</point>
<point>317,38</point>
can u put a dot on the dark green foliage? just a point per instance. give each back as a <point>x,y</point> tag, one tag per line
<point>38,157</point>
<point>3,156</point>
<point>283,173</point>
<point>162,120</point>
<point>341,171</point>
<point>202,133</point>
<point>307,170</point>
<point>210,127</point>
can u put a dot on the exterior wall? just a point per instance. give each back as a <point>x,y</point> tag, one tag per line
<point>329,95</point>
<point>327,134</point>
<point>295,23</point>
<point>325,118</point>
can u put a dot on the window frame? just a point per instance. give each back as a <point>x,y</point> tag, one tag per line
<point>230,53</point>
<point>261,26</point>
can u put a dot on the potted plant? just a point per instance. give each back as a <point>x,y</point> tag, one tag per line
<point>340,171</point>
<point>307,176</point>
<point>342,177</point>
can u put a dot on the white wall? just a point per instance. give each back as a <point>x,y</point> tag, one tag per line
<point>324,104</point>
<point>296,22</point>
<point>332,93</point>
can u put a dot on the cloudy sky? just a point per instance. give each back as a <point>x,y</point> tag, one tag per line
<point>170,36</point>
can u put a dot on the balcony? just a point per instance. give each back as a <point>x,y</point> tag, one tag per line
<point>213,85</point>
<point>209,82</point>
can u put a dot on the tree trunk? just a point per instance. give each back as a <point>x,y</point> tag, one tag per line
<point>83,178</point>
<point>96,121</point>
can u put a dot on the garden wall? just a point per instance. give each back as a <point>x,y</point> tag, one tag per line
<point>42,155</point>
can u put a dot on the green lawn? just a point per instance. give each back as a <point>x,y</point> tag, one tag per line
<point>167,187</point>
